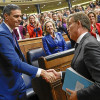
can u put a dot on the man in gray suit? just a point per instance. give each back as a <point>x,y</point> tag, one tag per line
<point>86,60</point>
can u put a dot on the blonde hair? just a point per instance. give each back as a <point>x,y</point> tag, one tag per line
<point>44,27</point>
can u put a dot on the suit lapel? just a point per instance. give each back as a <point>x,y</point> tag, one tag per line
<point>17,48</point>
<point>50,39</point>
<point>8,34</point>
<point>78,49</point>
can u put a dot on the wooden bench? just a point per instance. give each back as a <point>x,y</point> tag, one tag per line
<point>52,91</point>
<point>33,43</point>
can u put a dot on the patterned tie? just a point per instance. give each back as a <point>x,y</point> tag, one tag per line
<point>14,38</point>
<point>18,48</point>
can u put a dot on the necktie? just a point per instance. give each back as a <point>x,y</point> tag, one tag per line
<point>76,44</point>
<point>18,48</point>
<point>14,38</point>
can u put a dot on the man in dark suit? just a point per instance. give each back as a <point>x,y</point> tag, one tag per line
<point>12,62</point>
<point>86,60</point>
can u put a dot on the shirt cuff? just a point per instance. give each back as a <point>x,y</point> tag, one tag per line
<point>61,74</point>
<point>38,72</point>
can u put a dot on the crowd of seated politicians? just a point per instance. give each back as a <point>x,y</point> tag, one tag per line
<point>34,25</point>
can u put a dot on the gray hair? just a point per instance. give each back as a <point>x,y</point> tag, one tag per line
<point>82,17</point>
<point>7,9</point>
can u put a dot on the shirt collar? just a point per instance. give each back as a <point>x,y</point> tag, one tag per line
<point>8,27</point>
<point>80,37</point>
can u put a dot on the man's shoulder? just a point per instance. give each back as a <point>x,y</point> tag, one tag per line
<point>2,29</point>
<point>90,40</point>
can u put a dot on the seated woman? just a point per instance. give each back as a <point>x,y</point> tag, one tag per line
<point>53,41</point>
<point>34,28</point>
<point>95,27</point>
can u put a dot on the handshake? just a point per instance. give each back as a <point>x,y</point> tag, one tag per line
<point>50,75</point>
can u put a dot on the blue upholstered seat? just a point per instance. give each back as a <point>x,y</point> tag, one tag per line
<point>33,55</point>
<point>31,95</point>
<point>69,44</point>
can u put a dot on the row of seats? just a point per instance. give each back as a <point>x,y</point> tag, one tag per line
<point>32,58</point>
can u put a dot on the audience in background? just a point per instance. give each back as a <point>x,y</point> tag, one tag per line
<point>24,21</point>
<point>20,32</point>
<point>95,27</point>
<point>1,19</point>
<point>53,41</point>
<point>34,28</point>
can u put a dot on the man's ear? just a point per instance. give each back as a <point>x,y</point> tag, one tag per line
<point>6,16</point>
<point>79,23</point>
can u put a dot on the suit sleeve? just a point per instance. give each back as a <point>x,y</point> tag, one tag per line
<point>45,46</point>
<point>92,61</point>
<point>12,60</point>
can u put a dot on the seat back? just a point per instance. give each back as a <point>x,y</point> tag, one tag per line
<point>33,55</point>
<point>58,61</point>
<point>27,79</point>
<point>69,44</point>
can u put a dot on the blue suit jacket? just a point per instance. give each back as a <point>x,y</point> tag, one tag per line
<point>11,65</point>
<point>52,46</point>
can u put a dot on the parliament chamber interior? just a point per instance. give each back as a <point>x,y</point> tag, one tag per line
<point>32,46</point>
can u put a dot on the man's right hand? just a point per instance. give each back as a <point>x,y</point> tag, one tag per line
<point>48,76</point>
<point>57,74</point>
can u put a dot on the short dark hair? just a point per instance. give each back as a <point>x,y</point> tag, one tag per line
<point>7,9</point>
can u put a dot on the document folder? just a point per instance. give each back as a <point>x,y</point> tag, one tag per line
<point>75,81</point>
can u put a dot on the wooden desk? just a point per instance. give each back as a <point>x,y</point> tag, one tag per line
<point>52,91</point>
<point>33,43</point>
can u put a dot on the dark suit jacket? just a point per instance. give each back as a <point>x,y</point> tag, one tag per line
<point>52,46</point>
<point>86,61</point>
<point>11,65</point>
<point>22,32</point>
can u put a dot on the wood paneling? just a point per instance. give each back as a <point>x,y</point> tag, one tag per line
<point>53,91</point>
<point>33,43</point>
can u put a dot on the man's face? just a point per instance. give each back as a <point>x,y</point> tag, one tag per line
<point>72,28</point>
<point>14,19</point>
<point>54,17</point>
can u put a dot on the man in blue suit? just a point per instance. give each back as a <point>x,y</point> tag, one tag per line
<point>12,62</point>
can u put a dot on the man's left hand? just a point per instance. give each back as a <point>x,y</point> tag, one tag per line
<point>73,95</point>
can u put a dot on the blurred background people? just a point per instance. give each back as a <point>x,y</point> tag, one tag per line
<point>34,28</point>
<point>95,27</point>
<point>53,41</point>
<point>1,19</point>
<point>24,21</point>
<point>20,32</point>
